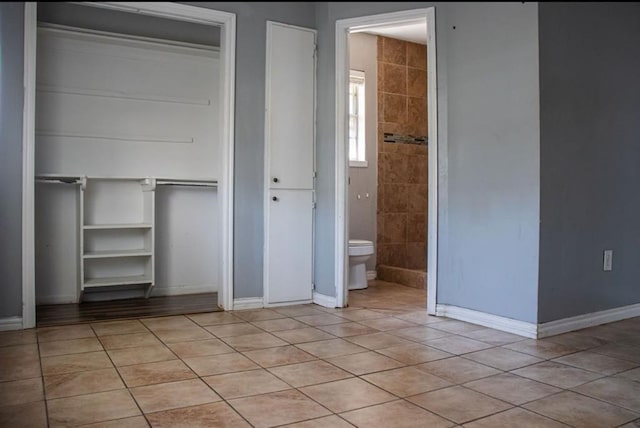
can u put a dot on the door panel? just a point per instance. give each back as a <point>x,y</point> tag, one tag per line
<point>290,107</point>
<point>289,264</point>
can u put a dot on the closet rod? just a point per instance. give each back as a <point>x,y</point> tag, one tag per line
<point>186,183</point>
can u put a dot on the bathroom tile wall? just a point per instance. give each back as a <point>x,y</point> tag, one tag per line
<point>402,163</point>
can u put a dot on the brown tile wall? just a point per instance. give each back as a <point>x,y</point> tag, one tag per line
<point>402,168</point>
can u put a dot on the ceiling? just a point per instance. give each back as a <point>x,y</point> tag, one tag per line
<point>413,31</point>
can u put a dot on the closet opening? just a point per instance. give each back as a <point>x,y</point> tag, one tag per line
<point>131,138</point>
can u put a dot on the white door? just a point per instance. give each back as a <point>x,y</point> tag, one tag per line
<point>289,166</point>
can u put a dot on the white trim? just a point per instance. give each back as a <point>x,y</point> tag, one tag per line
<point>358,164</point>
<point>434,184</point>
<point>11,323</point>
<point>323,300</point>
<point>291,303</point>
<point>509,325</point>
<point>371,275</point>
<point>587,320</point>
<point>28,167</point>
<point>174,11</point>
<point>343,27</point>
<point>247,303</point>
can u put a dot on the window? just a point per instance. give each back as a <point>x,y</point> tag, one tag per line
<point>356,119</point>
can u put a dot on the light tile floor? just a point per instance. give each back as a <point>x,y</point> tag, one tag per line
<point>382,362</point>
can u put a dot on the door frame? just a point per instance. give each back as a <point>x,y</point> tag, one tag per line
<point>341,262</point>
<point>179,12</point>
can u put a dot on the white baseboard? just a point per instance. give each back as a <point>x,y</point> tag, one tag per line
<point>11,323</point>
<point>247,303</point>
<point>184,289</point>
<point>497,322</point>
<point>280,304</point>
<point>324,300</point>
<point>371,275</point>
<point>565,325</point>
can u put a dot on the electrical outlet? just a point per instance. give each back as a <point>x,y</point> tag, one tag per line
<point>607,264</point>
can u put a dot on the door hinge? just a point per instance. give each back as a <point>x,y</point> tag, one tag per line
<point>313,205</point>
<point>313,285</point>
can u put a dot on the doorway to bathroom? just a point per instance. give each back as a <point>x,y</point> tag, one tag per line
<point>386,181</point>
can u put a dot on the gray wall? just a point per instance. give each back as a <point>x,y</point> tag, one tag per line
<point>251,33</point>
<point>363,54</point>
<point>11,72</point>
<point>488,121</point>
<point>590,154</point>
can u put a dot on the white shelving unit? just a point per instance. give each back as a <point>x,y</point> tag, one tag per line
<point>117,233</point>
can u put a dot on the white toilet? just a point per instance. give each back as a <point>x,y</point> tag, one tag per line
<point>359,253</point>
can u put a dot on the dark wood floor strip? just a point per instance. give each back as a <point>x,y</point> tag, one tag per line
<point>50,315</point>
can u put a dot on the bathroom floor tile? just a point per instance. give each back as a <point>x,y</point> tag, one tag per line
<point>302,335</point>
<point>457,369</point>
<point>236,329</point>
<point>279,324</point>
<point>150,373</point>
<point>347,329</point>
<point>492,337</point>
<point>68,332</point>
<point>397,414</point>
<point>172,395</point>
<point>218,414</point>
<point>621,392</point>
<point>200,348</point>
<point>390,323</point>
<point>279,356</point>
<point>21,391</point>
<point>378,340</point>
<point>80,383</point>
<point>597,362</point>
<point>419,333</point>
<point>244,384</point>
<point>503,359</point>
<point>214,318</point>
<point>250,342</point>
<point>413,354</point>
<point>85,409</point>
<point>515,417</point>
<point>580,411</point>
<point>557,374</point>
<point>331,348</point>
<point>457,344</point>
<point>365,362</point>
<point>447,403</point>
<point>73,346</point>
<point>361,315</point>
<point>458,327</point>
<point>349,394</point>
<point>258,315</point>
<point>183,334</point>
<point>325,422</point>
<point>141,355</point>
<point>167,323</point>
<point>75,363</point>
<point>511,388</point>
<point>277,408</point>
<point>298,310</point>
<point>406,381</point>
<point>134,340</point>
<point>32,415</point>
<point>219,364</point>
<point>541,349</point>
<point>18,337</point>
<point>309,373</point>
<point>118,327</point>
<point>320,319</point>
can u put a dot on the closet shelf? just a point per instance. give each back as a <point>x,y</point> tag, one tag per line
<point>116,253</point>
<point>117,226</point>
<point>117,280</point>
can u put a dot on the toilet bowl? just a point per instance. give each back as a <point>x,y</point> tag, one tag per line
<point>359,253</point>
